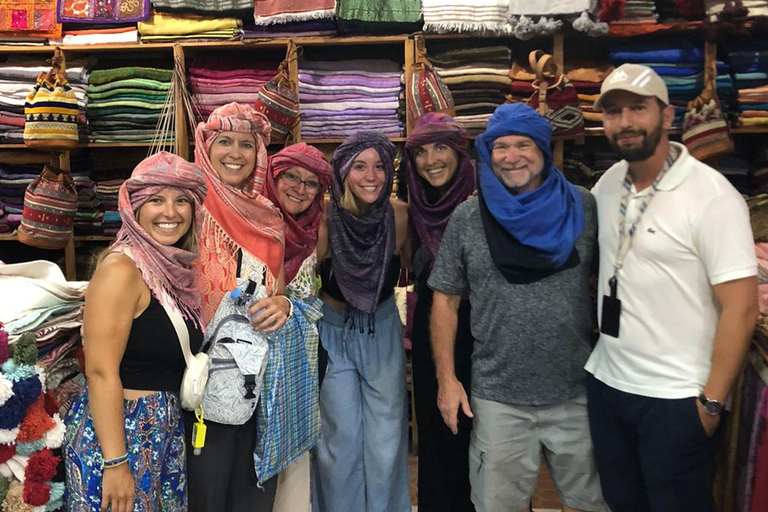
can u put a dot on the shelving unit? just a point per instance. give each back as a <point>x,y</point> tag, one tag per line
<point>403,47</point>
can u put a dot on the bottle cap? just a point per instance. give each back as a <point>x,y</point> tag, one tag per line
<point>236,293</point>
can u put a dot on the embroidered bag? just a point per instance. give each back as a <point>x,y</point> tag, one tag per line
<point>51,110</point>
<point>426,91</point>
<point>238,355</point>
<point>706,133</point>
<point>555,97</point>
<point>279,98</point>
<point>50,203</point>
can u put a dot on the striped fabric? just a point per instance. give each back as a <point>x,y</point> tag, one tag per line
<point>428,93</point>
<point>50,203</point>
<point>280,103</point>
<point>705,131</point>
<point>289,414</point>
<point>51,114</point>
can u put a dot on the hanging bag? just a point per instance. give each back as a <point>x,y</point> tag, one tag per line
<point>50,204</point>
<point>555,97</point>
<point>706,133</point>
<point>279,98</point>
<point>51,110</point>
<point>426,91</point>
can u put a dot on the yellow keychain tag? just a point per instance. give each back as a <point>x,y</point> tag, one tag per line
<point>198,432</point>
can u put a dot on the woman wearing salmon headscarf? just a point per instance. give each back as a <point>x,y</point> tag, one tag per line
<point>296,181</point>
<point>242,236</point>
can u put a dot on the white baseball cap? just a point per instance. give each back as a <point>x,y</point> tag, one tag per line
<point>634,78</point>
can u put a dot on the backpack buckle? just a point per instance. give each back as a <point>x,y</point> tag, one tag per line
<point>250,385</point>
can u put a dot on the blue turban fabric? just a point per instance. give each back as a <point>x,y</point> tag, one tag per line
<point>547,221</point>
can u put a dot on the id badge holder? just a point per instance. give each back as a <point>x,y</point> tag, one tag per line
<point>611,314</point>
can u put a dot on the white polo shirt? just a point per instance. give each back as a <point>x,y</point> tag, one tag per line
<point>694,234</point>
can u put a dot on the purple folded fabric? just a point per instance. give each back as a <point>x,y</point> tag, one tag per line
<point>381,65</point>
<point>349,79</point>
<point>223,99</point>
<point>341,134</point>
<point>354,111</point>
<point>226,89</point>
<point>327,98</point>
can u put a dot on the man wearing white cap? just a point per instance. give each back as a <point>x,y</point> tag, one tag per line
<point>677,302</point>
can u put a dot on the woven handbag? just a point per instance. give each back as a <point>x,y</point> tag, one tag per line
<point>555,97</point>
<point>706,133</point>
<point>426,91</point>
<point>279,99</point>
<point>50,203</point>
<point>51,110</point>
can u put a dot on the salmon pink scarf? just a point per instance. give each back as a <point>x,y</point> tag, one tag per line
<point>166,269</point>
<point>235,219</point>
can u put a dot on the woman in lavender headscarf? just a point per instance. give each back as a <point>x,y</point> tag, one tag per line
<point>361,461</point>
<point>440,177</point>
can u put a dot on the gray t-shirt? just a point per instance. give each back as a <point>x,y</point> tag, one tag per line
<point>531,340</point>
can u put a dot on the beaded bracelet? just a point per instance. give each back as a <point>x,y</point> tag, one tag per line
<point>111,463</point>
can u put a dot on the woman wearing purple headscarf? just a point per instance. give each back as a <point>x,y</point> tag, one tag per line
<point>440,177</point>
<point>361,458</point>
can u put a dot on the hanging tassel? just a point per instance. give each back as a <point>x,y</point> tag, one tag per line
<point>525,28</point>
<point>548,26</point>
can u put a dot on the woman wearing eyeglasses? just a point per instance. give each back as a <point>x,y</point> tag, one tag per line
<point>296,181</point>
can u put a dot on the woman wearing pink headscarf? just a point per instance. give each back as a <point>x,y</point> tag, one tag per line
<point>124,446</point>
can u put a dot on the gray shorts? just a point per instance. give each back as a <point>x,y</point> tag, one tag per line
<point>505,454</point>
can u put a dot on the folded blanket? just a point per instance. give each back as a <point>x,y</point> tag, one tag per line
<point>169,24</point>
<point>103,76</point>
<point>349,80</point>
<point>267,12</point>
<point>375,65</point>
<point>465,15</point>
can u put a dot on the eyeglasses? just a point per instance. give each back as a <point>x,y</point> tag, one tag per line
<point>310,186</point>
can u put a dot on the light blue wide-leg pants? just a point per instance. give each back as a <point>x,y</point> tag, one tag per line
<point>361,458</point>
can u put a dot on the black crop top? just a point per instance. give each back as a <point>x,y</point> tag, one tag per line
<point>153,360</point>
<point>331,286</point>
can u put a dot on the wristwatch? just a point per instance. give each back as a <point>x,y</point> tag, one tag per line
<point>712,407</point>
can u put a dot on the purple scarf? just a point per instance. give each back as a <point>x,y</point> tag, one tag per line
<point>361,247</point>
<point>427,220</point>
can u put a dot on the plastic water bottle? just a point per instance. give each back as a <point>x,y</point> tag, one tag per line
<point>245,295</point>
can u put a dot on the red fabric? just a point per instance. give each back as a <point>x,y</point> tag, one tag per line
<point>612,10</point>
<point>36,423</point>
<point>6,452</point>
<point>41,467</point>
<point>760,490</point>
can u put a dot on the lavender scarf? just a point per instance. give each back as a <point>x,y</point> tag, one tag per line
<point>361,247</point>
<point>428,218</point>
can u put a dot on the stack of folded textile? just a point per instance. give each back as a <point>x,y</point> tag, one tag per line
<point>680,62</point>
<point>478,78</point>
<point>312,28</point>
<point>124,35</point>
<point>165,27</point>
<point>88,215</point>
<point>13,184</point>
<point>17,77</point>
<point>522,77</point>
<point>106,192</point>
<point>443,16</point>
<point>640,11</point>
<point>125,103</point>
<point>587,79</point>
<point>276,12</point>
<point>42,305</point>
<point>749,65</point>
<point>218,80</point>
<point>339,98</point>
<point>737,169</point>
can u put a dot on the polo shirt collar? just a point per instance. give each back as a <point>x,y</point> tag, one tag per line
<point>676,174</point>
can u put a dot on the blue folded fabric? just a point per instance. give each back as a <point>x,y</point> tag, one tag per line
<point>679,52</point>
<point>753,106</point>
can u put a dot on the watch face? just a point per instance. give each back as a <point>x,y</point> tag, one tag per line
<point>712,407</point>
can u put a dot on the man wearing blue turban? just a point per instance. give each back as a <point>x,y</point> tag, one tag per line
<point>524,250</point>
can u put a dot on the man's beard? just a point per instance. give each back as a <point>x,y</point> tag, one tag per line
<point>646,148</point>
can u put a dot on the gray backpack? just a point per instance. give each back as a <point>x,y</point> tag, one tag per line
<point>238,355</point>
